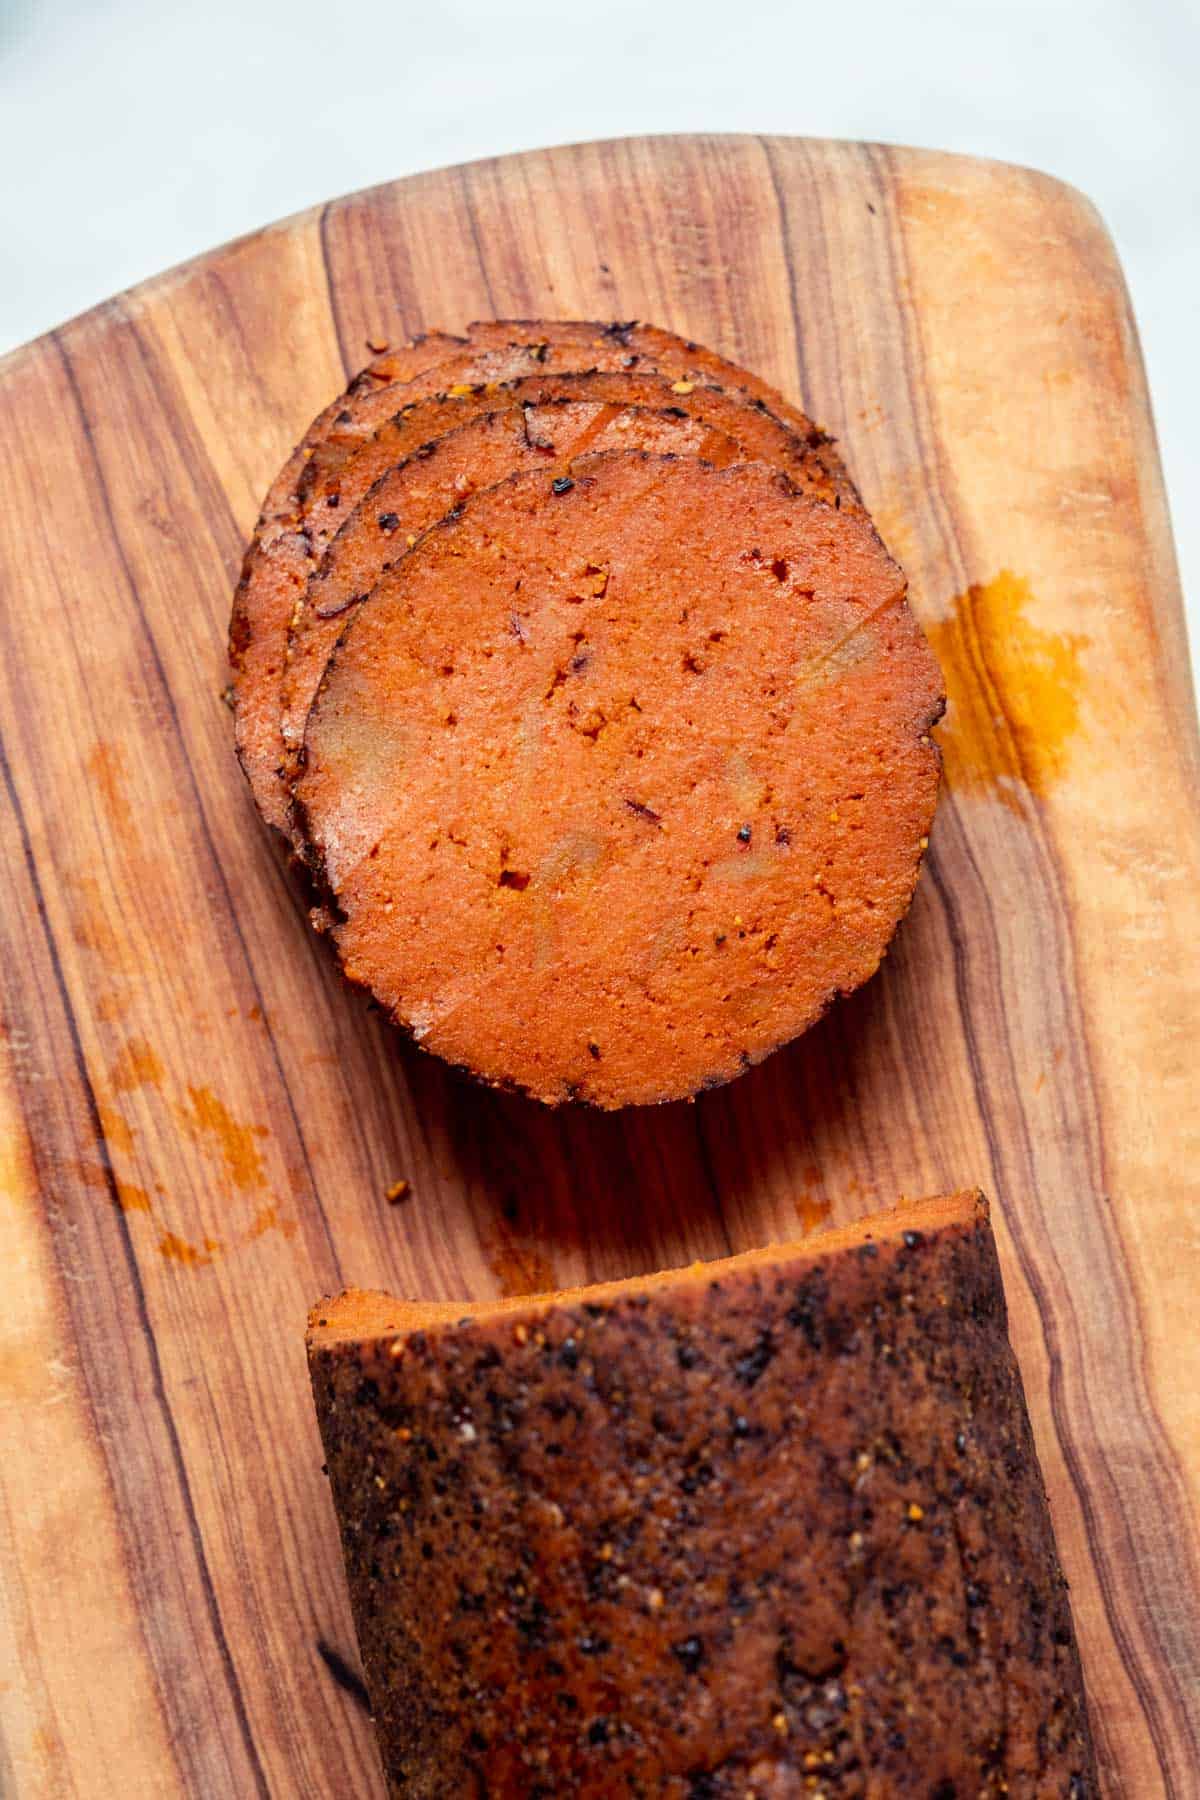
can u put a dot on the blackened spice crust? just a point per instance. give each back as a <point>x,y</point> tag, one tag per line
<point>712,1534</point>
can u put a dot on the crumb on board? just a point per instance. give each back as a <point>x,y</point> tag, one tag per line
<point>398,1191</point>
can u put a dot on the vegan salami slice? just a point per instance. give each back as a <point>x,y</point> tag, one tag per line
<point>308,492</point>
<point>425,486</point>
<point>620,777</point>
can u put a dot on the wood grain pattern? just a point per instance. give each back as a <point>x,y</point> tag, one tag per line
<point>199,1124</point>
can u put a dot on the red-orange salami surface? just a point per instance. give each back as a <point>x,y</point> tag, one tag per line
<point>714,1532</point>
<point>615,782</point>
<point>440,476</point>
<point>379,479</point>
<point>317,486</point>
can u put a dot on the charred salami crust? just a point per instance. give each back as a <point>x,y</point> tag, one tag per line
<point>619,777</point>
<point>714,1532</point>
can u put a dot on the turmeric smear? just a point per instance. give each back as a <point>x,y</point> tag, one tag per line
<point>267,1219</point>
<point>193,1256</point>
<point>1014,692</point>
<point>133,1199</point>
<point>136,1065</point>
<point>518,1268</point>
<point>207,1118</point>
<point>118,1134</point>
<point>92,928</point>
<point>812,1210</point>
<point>108,774</point>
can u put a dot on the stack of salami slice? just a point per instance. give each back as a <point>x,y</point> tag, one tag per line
<point>569,662</point>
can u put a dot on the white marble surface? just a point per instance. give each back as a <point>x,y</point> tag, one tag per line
<point>134,133</point>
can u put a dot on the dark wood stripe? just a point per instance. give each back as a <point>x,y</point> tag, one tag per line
<point>767,146</point>
<point>352,361</point>
<point>465,175</point>
<point>347,1678</point>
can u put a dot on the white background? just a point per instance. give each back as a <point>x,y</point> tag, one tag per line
<point>134,133</point>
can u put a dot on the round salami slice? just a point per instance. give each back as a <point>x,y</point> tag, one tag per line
<point>620,777</point>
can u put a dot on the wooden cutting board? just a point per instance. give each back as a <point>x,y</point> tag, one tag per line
<point>200,1124</point>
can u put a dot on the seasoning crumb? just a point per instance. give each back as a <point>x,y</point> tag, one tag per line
<point>227,696</point>
<point>562,484</point>
<point>682,387</point>
<point>915,1513</point>
<point>398,1191</point>
<point>690,1653</point>
<point>377,346</point>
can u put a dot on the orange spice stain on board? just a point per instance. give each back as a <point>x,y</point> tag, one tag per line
<point>812,1210</point>
<point>207,1119</point>
<point>267,1219</point>
<point>1014,692</point>
<point>130,1198</point>
<point>108,774</point>
<point>91,926</point>
<point>136,1064</point>
<point>518,1268</point>
<point>117,1133</point>
<point>134,1199</point>
<point>193,1256</point>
